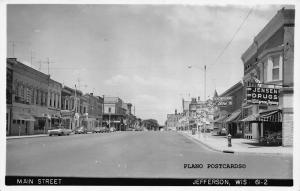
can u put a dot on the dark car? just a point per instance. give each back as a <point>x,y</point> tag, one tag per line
<point>100,130</point>
<point>81,130</point>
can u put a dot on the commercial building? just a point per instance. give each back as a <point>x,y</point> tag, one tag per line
<point>33,102</point>
<point>94,111</point>
<point>268,79</point>
<point>9,92</point>
<point>114,113</point>
<point>172,121</point>
<point>73,108</point>
<point>228,116</point>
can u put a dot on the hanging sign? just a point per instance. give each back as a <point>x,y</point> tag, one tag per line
<point>258,95</point>
<point>222,101</point>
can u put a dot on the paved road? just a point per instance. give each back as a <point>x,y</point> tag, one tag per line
<point>133,154</point>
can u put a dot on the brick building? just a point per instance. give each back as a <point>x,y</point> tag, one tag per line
<point>34,103</point>
<point>269,63</point>
<point>230,115</point>
<point>94,111</point>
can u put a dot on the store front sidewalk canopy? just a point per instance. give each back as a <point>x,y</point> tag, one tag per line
<point>265,116</point>
<point>234,116</point>
<point>23,116</point>
<point>220,119</point>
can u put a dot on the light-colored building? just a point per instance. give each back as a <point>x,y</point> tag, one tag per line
<point>172,121</point>
<point>73,108</point>
<point>114,113</point>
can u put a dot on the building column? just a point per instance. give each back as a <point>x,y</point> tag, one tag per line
<point>48,98</point>
<point>59,101</point>
<point>56,101</point>
<point>52,96</point>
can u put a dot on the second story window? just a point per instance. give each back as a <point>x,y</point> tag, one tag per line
<point>276,67</point>
<point>109,110</point>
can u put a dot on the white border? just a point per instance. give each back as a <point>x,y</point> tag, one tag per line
<point>296,165</point>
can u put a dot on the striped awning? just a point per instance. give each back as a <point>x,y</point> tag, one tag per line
<point>265,116</point>
<point>271,116</point>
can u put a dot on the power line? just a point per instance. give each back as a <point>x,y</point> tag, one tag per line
<point>228,44</point>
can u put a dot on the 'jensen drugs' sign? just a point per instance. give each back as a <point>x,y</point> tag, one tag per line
<point>257,95</point>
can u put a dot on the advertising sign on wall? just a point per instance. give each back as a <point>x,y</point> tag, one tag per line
<point>222,101</point>
<point>258,95</point>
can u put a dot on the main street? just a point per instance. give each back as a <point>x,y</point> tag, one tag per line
<point>134,154</point>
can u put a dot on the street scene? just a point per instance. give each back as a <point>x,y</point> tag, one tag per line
<point>150,91</point>
<point>135,154</point>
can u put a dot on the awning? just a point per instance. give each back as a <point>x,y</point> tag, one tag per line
<point>265,116</point>
<point>252,117</point>
<point>271,116</point>
<point>23,116</point>
<point>220,119</point>
<point>234,116</point>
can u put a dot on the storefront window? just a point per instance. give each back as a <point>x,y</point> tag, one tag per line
<point>39,124</point>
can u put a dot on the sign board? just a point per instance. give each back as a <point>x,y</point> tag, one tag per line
<point>222,101</point>
<point>258,95</point>
<point>66,113</point>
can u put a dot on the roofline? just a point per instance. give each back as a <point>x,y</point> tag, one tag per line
<point>282,17</point>
<point>232,88</point>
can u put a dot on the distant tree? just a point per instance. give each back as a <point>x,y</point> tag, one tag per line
<point>150,124</point>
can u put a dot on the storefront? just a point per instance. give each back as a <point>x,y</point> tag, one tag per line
<point>266,126</point>
<point>67,117</point>
<point>219,125</point>
<point>22,124</point>
<point>233,125</point>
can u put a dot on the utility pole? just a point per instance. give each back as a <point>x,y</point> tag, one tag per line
<point>31,57</point>
<point>45,62</point>
<point>204,82</point>
<point>13,45</point>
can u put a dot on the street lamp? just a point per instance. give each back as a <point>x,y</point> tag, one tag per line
<point>204,70</point>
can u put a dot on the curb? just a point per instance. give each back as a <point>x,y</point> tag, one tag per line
<point>206,145</point>
<point>22,137</point>
<point>231,151</point>
<point>228,151</point>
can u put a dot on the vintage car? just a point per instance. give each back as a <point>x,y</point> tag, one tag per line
<point>59,130</point>
<point>100,130</point>
<point>81,130</point>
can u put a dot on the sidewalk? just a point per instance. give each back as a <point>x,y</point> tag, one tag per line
<point>239,145</point>
<point>26,136</point>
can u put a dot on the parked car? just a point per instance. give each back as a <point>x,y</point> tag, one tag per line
<point>81,130</point>
<point>100,130</point>
<point>59,130</point>
<point>223,131</point>
<point>112,129</point>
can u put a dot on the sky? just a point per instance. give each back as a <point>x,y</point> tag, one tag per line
<point>139,53</point>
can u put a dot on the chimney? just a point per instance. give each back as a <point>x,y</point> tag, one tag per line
<point>198,98</point>
<point>175,111</point>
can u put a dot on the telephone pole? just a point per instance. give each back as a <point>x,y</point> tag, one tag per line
<point>204,82</point>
